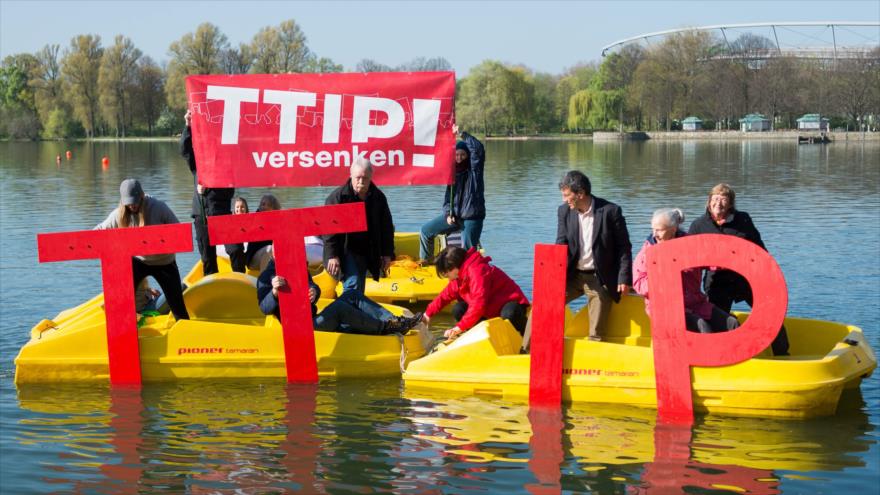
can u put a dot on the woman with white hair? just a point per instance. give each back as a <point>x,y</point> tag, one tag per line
<point>700,315</point>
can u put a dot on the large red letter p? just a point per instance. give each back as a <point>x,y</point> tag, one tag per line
<point>675,349</point>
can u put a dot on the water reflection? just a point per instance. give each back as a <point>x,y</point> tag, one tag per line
<point>348,435</point>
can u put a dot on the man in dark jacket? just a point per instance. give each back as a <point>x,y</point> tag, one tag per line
<point>348,256</point>
<point>599,249</point>
<point>208,201</point>
<point>352,314</point>
<point>464,205</point>
<point>725,287</point>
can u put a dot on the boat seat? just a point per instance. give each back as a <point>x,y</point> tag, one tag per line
<point>627,322</point>
<point>229,297</point>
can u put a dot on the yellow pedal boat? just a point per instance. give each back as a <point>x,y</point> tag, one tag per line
<point>407,282</point>
<point>826,358</point>
<point>227,336</point>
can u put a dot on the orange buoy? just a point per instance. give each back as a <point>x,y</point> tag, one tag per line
<point>105,162</point>
<point>69,155</point>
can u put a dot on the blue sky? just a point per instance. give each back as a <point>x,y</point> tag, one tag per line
<point>545,36</point>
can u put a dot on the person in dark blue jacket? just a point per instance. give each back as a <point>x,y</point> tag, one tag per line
<point>464,205</point>
<point>351,313</point>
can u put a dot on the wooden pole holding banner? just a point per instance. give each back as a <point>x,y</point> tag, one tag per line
<point>115,248</point>
<point>287,230</point>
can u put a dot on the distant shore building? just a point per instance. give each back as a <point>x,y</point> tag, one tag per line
<point>754,122</point>
<point>691,124</point>
<point>812,122</point>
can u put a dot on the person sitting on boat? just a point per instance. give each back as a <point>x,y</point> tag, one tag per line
<point>482,291</point>
<point>348,256</point>
<point>599,250</point>
<point>137,209</point>
<point>724,287</point>
<point>700,315</point>
<point>351,313</point>
<point>259,253</point>
<point>464,204</point>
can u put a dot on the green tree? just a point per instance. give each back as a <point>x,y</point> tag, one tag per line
<point>237,60</point>
<point>194,53</point>
<point>323,65</point>
<point>573,80</point>
<point>46,81</point>
<point>668,82</point>
<point>280,50</point>
<point>18,115</point>
<point>79,68</point>
<point>116,83</point>
<point>495,98</point>
<point>149,90</point>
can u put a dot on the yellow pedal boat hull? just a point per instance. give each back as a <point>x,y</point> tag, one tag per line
<point>227,336</point>
<point>407,282</point>
<point>826,357</point>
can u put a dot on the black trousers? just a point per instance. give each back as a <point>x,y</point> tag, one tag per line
<point>208,252</point>
<point>168,278</point>
<point>512,311</point>
<point>724,298</point>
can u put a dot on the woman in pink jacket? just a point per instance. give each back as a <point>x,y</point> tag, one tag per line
<point>700,315</point>
<point>482,290</point>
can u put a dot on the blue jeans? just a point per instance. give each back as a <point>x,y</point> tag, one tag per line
<point>342,316</point>
<point>353,268</point>
<point>365,305</point>
<point>470,235</point>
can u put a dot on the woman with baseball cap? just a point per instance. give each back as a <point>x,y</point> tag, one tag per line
<point>137,209</point>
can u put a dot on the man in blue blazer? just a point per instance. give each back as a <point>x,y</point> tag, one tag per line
<point>599,249</point>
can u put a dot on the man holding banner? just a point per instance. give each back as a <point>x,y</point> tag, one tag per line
<point>207,202</point>
<point>347,257</point>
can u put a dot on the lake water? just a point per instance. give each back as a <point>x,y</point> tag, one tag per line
<point>817,207</point>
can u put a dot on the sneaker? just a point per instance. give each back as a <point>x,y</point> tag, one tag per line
<point>394,325</point>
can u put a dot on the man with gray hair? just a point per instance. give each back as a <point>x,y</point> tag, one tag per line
<point>347,257</point>
<point>599,249</point>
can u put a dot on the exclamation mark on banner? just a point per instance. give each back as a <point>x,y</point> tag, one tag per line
<point>426,116</point>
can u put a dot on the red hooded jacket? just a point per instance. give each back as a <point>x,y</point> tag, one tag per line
<point>485,289</point>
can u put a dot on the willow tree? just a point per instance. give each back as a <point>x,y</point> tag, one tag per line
<point>79,68</point>
<point>194,53</point>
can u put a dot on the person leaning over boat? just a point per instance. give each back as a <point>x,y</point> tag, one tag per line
<point>482,290</point>
<point>348,256</point>
<point>599,250</point>
<point>700,315</point>
<point>464,204</point>
<point>352,313</point>
<point>137,209</point>
<point>208,201</point>
<point>724,287</point>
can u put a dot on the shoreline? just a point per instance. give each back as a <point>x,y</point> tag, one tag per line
<point>602,136</point>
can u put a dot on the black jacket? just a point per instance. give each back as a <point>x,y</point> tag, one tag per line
<point>268,302</point>
<point>741,226</point>
<point>218,201</point>
<point>612,250</point>
<point>376,242</point>
<point>467,191</point>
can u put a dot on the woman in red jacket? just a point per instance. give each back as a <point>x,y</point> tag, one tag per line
<point>482,290</point>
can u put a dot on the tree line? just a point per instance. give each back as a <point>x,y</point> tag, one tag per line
<point>88,90</point>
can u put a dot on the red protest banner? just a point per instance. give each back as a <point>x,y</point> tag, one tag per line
<point>306,129</point>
